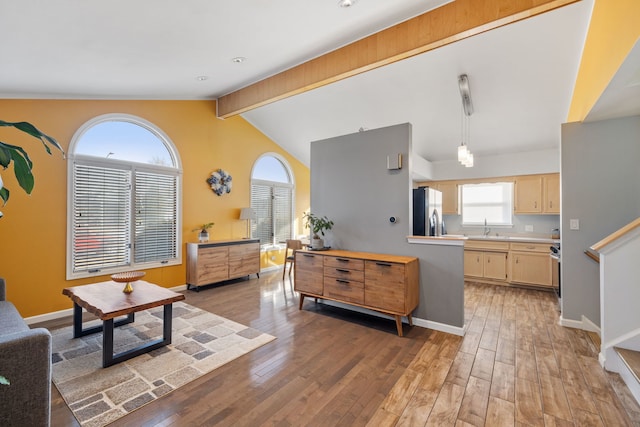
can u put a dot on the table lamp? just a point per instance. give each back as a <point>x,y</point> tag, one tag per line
<point>248,214</point>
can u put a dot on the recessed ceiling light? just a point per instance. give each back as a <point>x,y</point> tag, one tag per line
<point>202,78</point>
<point>238,59</point>
<point>347,3</point>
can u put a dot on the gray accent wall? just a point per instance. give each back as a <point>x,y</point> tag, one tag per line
<point>600,180</point>
<point>351,185</point>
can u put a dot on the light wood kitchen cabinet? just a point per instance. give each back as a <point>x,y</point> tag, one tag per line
<point>486,260</point>
<point>530,264</point>
<point>385,283</point>
<point>527,196</point>
<point>534,194</point>
<point>221,260</point>
<point>450,197</point>
<point>551,193</point>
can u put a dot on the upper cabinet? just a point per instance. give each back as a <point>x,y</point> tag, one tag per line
<point>537,194</point>
<point>450,197</point>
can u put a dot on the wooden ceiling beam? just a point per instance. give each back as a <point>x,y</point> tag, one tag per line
<point>447,24</point>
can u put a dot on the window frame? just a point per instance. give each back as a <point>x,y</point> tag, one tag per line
<point>491,222</point>
<point>273,184</point>
<point>133,167</point>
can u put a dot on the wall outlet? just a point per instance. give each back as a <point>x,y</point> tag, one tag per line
<point>273,257</point>
<point>528,228</point>
<point>574,224</point>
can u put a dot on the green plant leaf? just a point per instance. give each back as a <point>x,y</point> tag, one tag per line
<point>33,131</point>
<point>22,169</point>
<point>4,195</point>
<point>21,150</point>
<point>5,156</point>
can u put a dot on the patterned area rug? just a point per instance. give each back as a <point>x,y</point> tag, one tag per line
<point>201,342</point>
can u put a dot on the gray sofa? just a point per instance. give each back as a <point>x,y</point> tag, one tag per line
<point>25,360</point>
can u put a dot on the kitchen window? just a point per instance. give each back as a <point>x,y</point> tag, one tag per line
<point>124,197</point>
<point>490,202</point>
<point>272,190</point>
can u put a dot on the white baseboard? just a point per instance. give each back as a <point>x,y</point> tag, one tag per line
<point>442,327</point>
<point>584,324</point>
<point>273,268</point>
<point>54,315</point>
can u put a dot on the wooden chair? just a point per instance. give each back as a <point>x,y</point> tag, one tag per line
<point>292,245</point>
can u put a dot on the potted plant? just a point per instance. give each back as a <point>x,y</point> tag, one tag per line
<point>318,226</point>
<point>203,236</point>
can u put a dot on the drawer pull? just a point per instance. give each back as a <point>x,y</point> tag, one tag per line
<point>342,260</point>
<point>342,270</point>
<point>346,282</point>
<point>309,256</point>
<point>383,264</point>
<point>531,247</point>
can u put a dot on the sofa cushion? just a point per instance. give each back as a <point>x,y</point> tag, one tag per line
<point>10,319</point>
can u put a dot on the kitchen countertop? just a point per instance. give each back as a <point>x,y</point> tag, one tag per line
<point>459,239</point>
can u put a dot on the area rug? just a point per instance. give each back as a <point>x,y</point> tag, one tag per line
<point>201,342</point>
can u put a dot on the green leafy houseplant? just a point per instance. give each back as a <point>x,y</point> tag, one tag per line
<point>203,236</point>
<point>22,164</point>
<point>318,226</point>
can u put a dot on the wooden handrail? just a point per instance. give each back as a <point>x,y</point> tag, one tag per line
<point>616,235</point>
<point>593,256</point>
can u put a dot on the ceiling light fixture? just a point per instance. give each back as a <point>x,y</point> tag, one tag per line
<point>465,157</point>
<point>238,59</point>
<point>202,78</point>
<point>347,3</point>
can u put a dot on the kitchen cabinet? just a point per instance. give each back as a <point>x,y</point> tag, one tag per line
<point>530,264</point>
<point>486,260</point>
<point>551,193</point>
<point>221,260</point>
<point>385,283</point>
<point>536,194</point>
<point>450,197</point>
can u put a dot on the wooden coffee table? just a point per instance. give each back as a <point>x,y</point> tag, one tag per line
<point>107,301</point>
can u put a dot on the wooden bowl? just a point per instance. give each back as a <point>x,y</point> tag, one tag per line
<point>127,276</point>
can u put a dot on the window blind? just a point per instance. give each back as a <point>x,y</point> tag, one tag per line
<point>261,203</point>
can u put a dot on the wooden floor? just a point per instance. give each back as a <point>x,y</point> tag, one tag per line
<point>329,366</point>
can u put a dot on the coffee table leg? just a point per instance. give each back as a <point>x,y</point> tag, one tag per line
<point>107,343</point>
<point>166,332</point>
<point>77,321</point>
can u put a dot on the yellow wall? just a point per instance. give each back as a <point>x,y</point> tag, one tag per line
<point>33,230</point>
<point>614,29</point>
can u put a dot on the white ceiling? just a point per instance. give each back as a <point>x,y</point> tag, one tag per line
<point>521,76</point>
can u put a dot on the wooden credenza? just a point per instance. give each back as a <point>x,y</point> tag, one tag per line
<point>385,283</point>
<point>221,260</point>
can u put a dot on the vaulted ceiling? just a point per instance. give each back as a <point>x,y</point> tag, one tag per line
<point>521,74</point>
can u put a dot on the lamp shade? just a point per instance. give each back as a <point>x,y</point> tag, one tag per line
<point>247,213</point>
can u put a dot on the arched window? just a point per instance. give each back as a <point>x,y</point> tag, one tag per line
<point>124,191</point>
<point>272,189</point>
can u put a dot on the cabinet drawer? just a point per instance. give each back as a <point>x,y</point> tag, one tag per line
<point>309,261</point>
<point>384,273</point>
<point>385,286</point>
<point>345,290</point>
<point>211,273</point>
<point>343,273</point>
<point>344,263</point>
<point>487,246</point>
<point>530,247</point>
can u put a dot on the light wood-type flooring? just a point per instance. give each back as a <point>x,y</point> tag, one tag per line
<point>330,367</point>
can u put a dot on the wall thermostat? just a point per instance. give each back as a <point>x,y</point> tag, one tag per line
<point>393,219</point>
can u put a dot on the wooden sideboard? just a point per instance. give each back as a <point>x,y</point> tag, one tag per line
<point>388,284</point>
<point>221,260</point>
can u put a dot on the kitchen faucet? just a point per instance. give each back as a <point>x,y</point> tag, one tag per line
<point>487,230</point>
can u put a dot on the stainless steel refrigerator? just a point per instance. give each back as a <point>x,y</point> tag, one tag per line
<point>427,212</point>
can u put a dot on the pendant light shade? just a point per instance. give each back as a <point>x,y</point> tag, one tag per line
<point>464,155</point>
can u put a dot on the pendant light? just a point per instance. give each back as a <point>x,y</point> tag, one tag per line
<point>465,157</point>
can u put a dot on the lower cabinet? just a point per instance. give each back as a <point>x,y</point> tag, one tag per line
<point>486,260</point>
<point>385,283</point>
<point>217,261</point>
<point>531,264</point>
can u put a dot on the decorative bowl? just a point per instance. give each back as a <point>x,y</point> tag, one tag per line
<point>127,277</point>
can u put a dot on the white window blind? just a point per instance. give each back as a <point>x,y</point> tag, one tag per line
<point>261,204</point>
<point>492,202</point>
<point>282,213</point>
<point>155,217</point>
<point>101,218</point>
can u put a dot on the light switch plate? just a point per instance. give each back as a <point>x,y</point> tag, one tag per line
<point>574,224</point>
